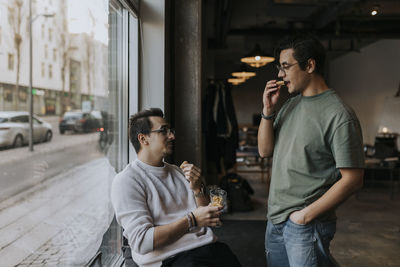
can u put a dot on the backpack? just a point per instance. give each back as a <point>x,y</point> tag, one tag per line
<point>239,191</point>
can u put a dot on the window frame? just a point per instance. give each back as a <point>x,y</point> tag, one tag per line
<point>128,98</point>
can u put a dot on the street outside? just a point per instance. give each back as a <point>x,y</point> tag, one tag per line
<point>20,169</point>
<point>54,201</point>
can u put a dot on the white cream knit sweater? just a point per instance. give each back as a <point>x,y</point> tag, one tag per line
<point>144,197</point>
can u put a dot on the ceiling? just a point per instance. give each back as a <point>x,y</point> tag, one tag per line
<point>342,25</point>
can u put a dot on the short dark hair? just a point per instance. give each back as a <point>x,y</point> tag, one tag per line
<point>140,123</point>
<point>305,46</point>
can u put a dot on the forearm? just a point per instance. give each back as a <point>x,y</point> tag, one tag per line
<point>265,138</point>
<point>169,233</point>
<point>336,195</point>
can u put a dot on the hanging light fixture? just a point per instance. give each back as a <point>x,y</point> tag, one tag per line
<point>236,81</point>
<point>257,58</point>
<point>374,10</point>
<point>243,73</point>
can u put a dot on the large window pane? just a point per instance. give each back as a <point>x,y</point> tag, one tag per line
<point>54,201</point>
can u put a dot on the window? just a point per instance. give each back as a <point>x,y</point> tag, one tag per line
<point>79,222</point>
<point>50,71</point>
<point>36,121</point>
<point>8,94</point>
<point>50,34</point>
<point>20,119</point>
<point>10,61</point>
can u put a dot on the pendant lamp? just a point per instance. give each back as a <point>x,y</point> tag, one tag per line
<point>243,73</point>
<point>257,58</point>
<point>236,81</point>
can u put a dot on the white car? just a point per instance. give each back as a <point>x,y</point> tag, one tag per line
<point>14,129</point>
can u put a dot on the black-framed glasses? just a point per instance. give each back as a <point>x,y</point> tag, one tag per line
<point>286,67</point>
<point>164,131</point>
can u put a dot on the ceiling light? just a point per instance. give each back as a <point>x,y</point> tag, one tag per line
<point>374,10</point>
<point>243,73</point>
<point>257,58</point>
<point>236,81</point>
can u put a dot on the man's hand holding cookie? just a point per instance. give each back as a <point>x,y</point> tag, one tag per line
<point>192,174</point>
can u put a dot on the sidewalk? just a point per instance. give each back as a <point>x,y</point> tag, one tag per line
<point>61,222</point>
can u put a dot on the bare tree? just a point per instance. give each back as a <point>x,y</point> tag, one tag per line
<point>65,50</point>
<point>89,58</point>
<point>15,21</point>
<point>88,61</point>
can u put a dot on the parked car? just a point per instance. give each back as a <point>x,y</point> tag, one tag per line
<point>79,121</point>
<point>14,129</point>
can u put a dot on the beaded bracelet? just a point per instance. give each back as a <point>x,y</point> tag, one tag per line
<point>194,219</point>
<point>190,222</point>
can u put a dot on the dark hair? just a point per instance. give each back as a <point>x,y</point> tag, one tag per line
<point>305,47</point>
<point>140,123</point>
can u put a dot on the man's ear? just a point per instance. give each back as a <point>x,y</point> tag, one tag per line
<point>311,65</point>
<point>142,139</point>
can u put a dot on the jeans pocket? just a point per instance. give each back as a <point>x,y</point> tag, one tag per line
<point>299,233</point>
<point>297,224</point>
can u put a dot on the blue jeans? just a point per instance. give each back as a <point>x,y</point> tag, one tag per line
<point>290,244</point>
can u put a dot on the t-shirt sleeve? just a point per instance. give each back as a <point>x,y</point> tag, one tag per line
<point>131,211</point>
<point>347,145</point>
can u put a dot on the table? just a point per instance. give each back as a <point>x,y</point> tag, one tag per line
<point>374,165</point>
<point>252,152</point>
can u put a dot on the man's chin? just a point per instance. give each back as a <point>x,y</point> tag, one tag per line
<point>168,151</point>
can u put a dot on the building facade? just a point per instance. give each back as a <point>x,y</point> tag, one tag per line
<point>67,69</point>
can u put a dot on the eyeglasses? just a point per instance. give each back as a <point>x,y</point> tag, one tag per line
<point>164,130</point>
<point>285,67</point>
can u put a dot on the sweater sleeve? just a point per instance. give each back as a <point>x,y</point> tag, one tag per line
<point>131,211</point>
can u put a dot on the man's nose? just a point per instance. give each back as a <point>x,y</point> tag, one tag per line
<point>171,136</point>
<point>281,74</point>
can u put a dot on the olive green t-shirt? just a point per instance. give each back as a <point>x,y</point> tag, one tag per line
<point>314,137</point>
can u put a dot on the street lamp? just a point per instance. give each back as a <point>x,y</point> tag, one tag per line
<point>31,20</point>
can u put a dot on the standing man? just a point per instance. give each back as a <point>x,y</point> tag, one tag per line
<point>318,158</point>
<point>164,210</point>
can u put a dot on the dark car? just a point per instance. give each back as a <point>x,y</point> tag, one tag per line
<point>79,122</point>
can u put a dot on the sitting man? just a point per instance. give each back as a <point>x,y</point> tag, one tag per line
<point>164,210</point>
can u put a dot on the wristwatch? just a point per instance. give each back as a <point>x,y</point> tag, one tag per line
<point>202,192</point>
<point>269,117</point>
